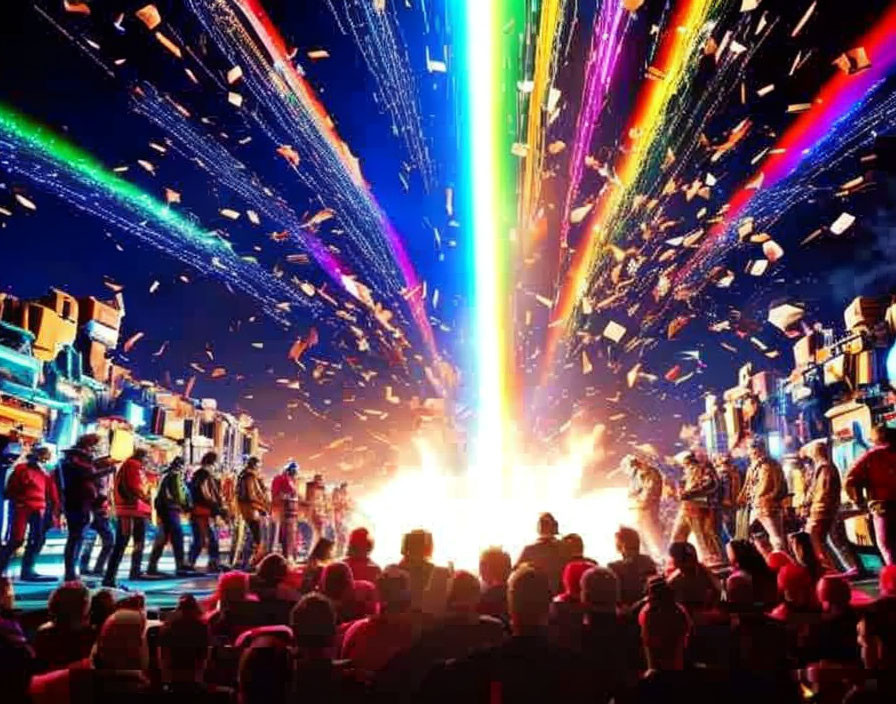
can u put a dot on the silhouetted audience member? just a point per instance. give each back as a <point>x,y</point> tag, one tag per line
<point>232,591</point>
<point>546,553</point>
<point>745,557</point>
<point>428,582</point>
<point>834,637</point>
<point>338,585</point>
<point>16,663</point>
<point>102,606</point>
<point>461,631</point>
<point>321,555</point>
<point>266,673</point>
<point>184,643</point>
<point>572,547</point>
<point>566,615</point>
<point>358,550</point>
<point>634,569</point>
<point>693,584</point>
<point>524,668</point>
<point>665,629</point>
<point>271,580</point>
<point>611,642</point>
<point>805,555</point>
<point>67,637</point>
<point>370,643</point>
<point>877,643</point>
<point>115,672</point>
<point>494,570</point>
<point>798,610</point>
<point>319,678</point>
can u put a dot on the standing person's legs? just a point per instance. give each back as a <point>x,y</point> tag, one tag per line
<point>34,544</point>
<point>839,544</point>
<point>774,526</point>
<point>651,533</point>
<point>163,534</point>
<point>77,521</point>
<point>139,534</point>
<point>885,533</point>
<point>176,535</point>
<point>124,528</point>
<point>199,526</point>
<point>214,546</point>
<point>290,540</point>
<point>681,529</point>
<point>708,539</point>
<point>17,525</point>
<point>103,527</point>
<point>87,551</point>
<point>255,529</point>
<point>818,530</point>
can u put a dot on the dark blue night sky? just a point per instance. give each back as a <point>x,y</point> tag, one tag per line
<point>45,76</point>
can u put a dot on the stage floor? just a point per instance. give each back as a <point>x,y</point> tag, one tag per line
<point>160,594</point>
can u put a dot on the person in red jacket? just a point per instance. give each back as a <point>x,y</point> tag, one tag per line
<point>285,510</point>
<point>133,509</point>
<point>871,483</point>
<point>30,492</point>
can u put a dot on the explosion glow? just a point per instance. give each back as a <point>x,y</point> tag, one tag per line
<point>465,518</point>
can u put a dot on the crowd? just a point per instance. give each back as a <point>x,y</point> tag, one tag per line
<point>786,511</point>
<point>762,608</point>
<point>556,626</point>
<point>96,499</point>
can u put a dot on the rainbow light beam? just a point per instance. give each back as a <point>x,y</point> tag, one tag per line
<point>488,73</point>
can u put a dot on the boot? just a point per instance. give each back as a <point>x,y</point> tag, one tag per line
<point>35,577</point>
<point>28,574</point>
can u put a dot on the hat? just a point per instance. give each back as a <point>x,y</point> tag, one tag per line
<point>685,457</point>
<point>292,468</point>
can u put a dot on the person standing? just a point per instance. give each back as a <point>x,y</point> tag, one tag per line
<point>696,513</point>
<point>133,510</point>
<point>821,508</point>
<point>644,493</point>
<point>100,527</point>
<point>545,554</point>
<point>252,498</point>
<point>285,510</point>
<point>871,482</point>
<point>81,473</point>
<point>764,491</point>
<point>729,490</point>
<point>30,491</point>
<point>205,493</point>
<point>172,501</point>
<point>316,497</point>
<point>342,507</point>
